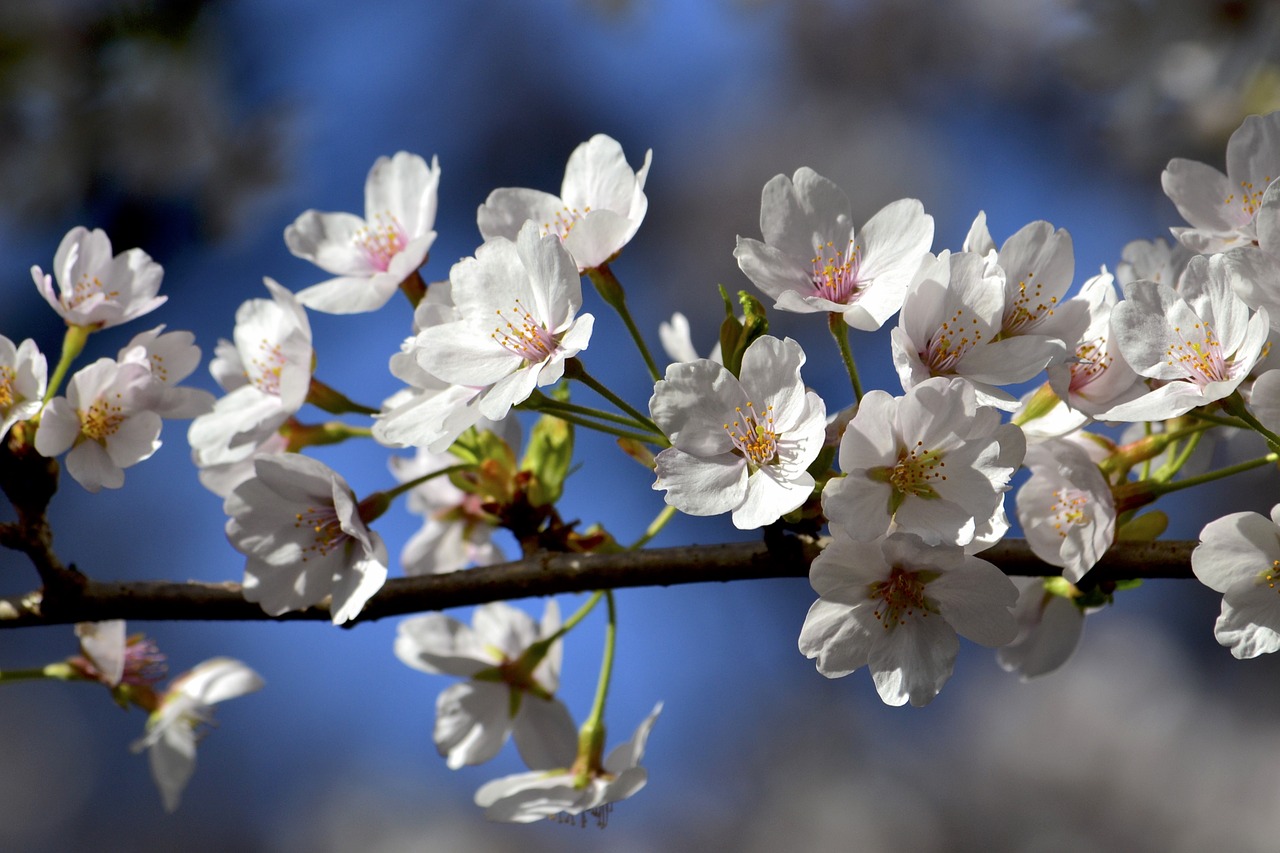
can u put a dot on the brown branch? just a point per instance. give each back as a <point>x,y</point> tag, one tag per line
<point>544,575</point>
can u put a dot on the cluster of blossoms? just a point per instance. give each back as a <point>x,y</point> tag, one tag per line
<point>910,487</point>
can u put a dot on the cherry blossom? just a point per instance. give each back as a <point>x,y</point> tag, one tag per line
<point>96,289</point>
<point>1066,509</point>
<point>1239,556</point>
<point>24,376</point>
<point>188,703</point>
<point>590,785</point>
<point>813,260</point>
<point>171,357</point>
<point>299,524</point>
<point>677,340</point>
<point>509,692</point>
<point>932,462</point>
<point>107,421</point>
<point>895,606</point>
<point>1222,209</point>
<point>599,209</point>
<point>739,444</point>
<point>1199,342</point>
<point>1049,629</point>
<point>373,255</point>
<point>517,308</point>
<point>950,325</point>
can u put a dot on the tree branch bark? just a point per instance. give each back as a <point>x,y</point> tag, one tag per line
<point>547,574</point>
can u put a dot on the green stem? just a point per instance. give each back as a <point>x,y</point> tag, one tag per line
<point>840,331</point>
<point>578,616</point>
<point>610,290</point>
<point>1210,476</point>
<point>72,345</point>
<point>591,735</point>
<point>302,435</point>
<point>573,369</point>
<point>1167,471</point>
<point>327,399</point>
<point>655,527</point>
<point>1235,423</point>
<point>59,671</point>
<point>550,404</point>
<point>1234,405</point>
<point>535,406</point>
<point>377,503</point>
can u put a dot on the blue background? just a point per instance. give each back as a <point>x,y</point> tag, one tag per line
<point>1151,738</point>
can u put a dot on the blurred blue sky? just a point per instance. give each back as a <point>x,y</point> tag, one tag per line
<point>335,753</point>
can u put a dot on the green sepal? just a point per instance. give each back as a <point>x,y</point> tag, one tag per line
<point>1144,528</point>
<point>549,454</point>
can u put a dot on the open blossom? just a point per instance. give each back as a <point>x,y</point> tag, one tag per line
<point>96,288</point>
<point>1037,264</point>
<point>812,259</point>
<point>739,444</point>
<point>896,605</point>
<point>1066,509</point>
<point>107,422</point>
<point>267,374</point>
<point>1239,556</point>
<point>932,462</point>
<point>373,255</point>
<point>517,308</point>
<point>299,524</point>
<point>24,376</point>
<point>171,357</point>
<point>506,693</point>
<point>950,325</point>
<point>599,209</point>
<point>1222,209</point>
<point>113,659</point>
<point>188,703</point>
<point>1198,342</point>
<point>594,787</point>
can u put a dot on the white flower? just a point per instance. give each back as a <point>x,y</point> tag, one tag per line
<point>1153,260</point>
<point>456,532</point>
<point>96,289</point>
<point>507,694</point>
<point>430,412</point>
<point>299,524</point>
<point>1199,341</point>
<point>107,421</point>
<point>813,260</point>
<point>526,797</point>
<point>1222,208</point>
<point>599,209</point>
<point>932,462</point>
<point>1239,556</point>
<point>171,735</point>
<point>1037,265</point>
<point>267,373</point>
<point>896,605</point>
<point>1066,509</point>
<point>950,326</point>
<point>170,357</point>
<point>739,444</point>
<point>373,255</point>
<point>130,665</point>
<point>1049,629</point>
<point>517,306</point>
<point>677,340</point>
<point>24,376</point>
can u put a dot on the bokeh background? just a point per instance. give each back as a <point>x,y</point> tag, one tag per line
<point>198,130</point>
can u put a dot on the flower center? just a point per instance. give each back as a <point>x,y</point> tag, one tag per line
<point>521,334</point>
<point>916,471</point>
<point>753,435</point>
<point>1092,360</point>
<point>901,597</point>
<point>950,342</point>
<point>1272,575</point>
<point>101,419</point>
<point>1201,357</point>
<point>1068,510</point>
<point>381,240</point>
<point>835,274</point>
<point>8,376</point>
<point>326,531</point>
<point>564,220</point>
<point>1029,307</point>
<point>1248,200</point>
<point>86,288</point>
<point>265,368</point>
